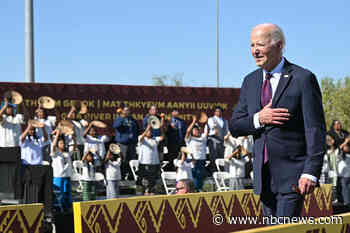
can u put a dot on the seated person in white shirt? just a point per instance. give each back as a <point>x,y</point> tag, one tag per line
<point>184,166</point>
<point>32,146</point>
<point>62,172</point>
<point>96,144</point>
<point>149,168</point>
<point>88,177</point>
<point>237,157</point>
<point>10,125</point>
<point>113,175</point>
<point>197,145</point>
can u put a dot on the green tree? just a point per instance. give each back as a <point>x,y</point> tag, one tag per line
<point>336,100</point>
<point>168,80</point>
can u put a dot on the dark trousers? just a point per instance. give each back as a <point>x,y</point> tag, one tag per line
<point>216,151</point>
<point>173,153</point>
<point>129,153</point>
<point>339,191</point>
<point>345,189</point>
<point>198,174</point>
<point>38,186</point>
<point>149,174</point>
<point>278,204</point>
<point>10,173</point>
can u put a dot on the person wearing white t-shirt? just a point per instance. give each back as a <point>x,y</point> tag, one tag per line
<point>10,125</point>
<point>96,144</point>
<point>88,177</point>
<point>113,175</point>
<point>62,172</point>
<point>149,167</point>
<point>184,166</point>
<point>197,145</point>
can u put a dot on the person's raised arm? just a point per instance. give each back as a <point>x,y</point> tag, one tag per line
<point>55,140</point>
<point>190,127</point>
<point>87,129</point>
<point>45,135</point>
<point>142,136</point>
<point>71,112</point>
<point>183,157</point>
<point>3,109</point>
<point>25,133</point>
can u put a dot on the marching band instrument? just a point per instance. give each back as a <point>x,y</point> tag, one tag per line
<point>203,118</point>
<point>154,122</point>
<point>36,124</point>
<point>93,150</point>
<point>13,97</point>
<point>114,148</point>
<point>185,150</point>
<point>66,127</point>
<point>99,124</point>
<point>46,102</point>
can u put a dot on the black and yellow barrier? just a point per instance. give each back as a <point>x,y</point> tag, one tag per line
<point>331,224</point>
<point>21,218</point>
<point>182,213</point>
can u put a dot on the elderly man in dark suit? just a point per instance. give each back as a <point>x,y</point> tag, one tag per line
<point>280,104</point>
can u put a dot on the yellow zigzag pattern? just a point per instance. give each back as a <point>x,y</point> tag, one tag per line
<point>8,220</point>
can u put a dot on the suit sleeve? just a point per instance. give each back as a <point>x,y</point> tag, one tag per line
<point>314,125</point>
<point>241,123</point>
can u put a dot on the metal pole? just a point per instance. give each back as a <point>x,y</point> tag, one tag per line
<point>217,44</point>
<point>29,41</point>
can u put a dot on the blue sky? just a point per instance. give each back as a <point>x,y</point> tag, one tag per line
<point>127,42</point>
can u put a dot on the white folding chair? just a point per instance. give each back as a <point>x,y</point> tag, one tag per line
<point>175,163</point>
<point>169,187</point>
<point>76,177</point>
<point>99,177</point>
<point>134,166</point>
<point>220,162</point>
<point>220,178</point>
<point>78,167</point>
<point>163,165</point>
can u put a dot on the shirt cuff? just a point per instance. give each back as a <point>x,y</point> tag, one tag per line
<point>311,177</point>
<point>256,121</point>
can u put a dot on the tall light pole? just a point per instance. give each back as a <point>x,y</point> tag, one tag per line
<point>217,44</point>
<point>29,41</point>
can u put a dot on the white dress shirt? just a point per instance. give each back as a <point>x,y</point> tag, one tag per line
<point>276,75</point>
<point>148,148</point>
<point>10,130</point>
<point>212,124</point>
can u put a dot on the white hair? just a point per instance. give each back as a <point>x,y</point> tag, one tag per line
<point>277,35</point>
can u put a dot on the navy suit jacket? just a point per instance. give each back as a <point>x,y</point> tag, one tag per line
<point>298,146</point>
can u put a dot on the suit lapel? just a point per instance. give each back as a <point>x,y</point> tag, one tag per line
<point>259,81</point>
<point>283,83</point>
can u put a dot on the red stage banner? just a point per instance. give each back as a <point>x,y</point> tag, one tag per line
<point>104,100</point>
